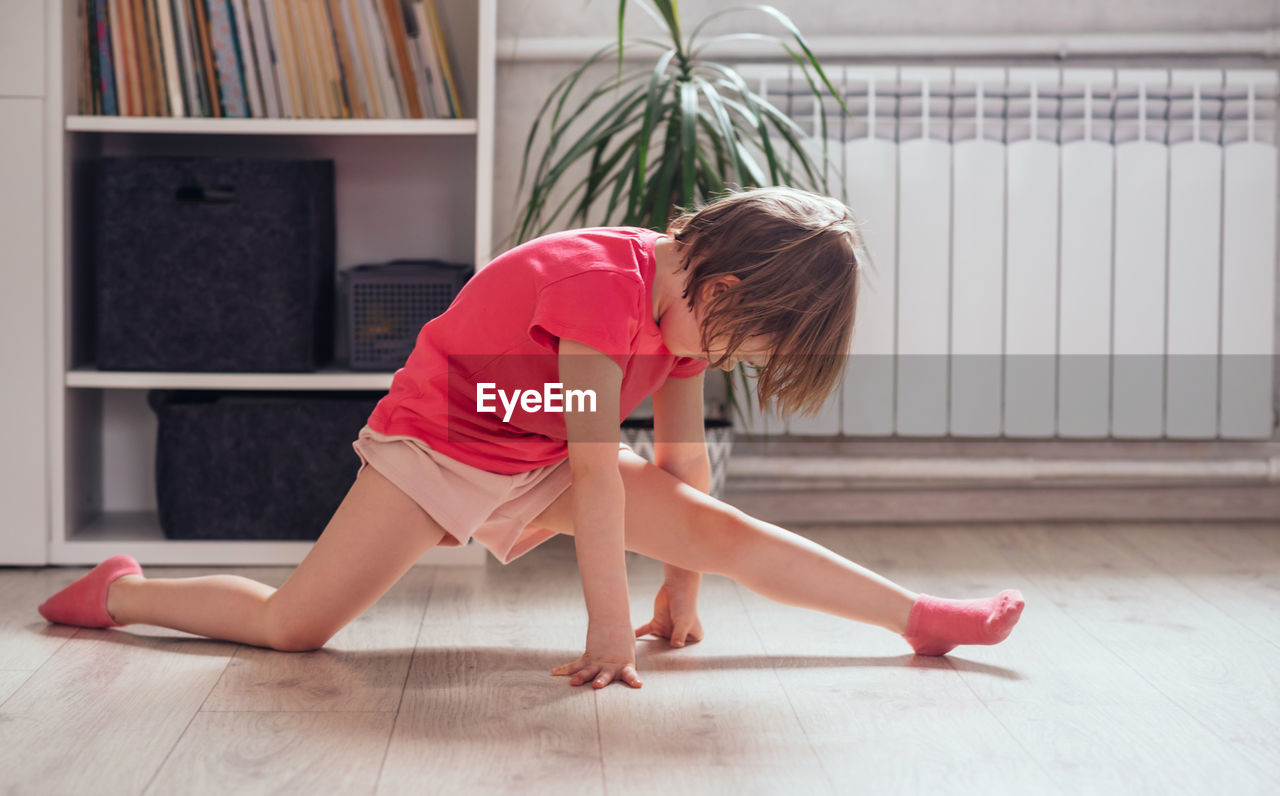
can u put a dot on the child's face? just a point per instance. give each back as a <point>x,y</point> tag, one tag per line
<point>682,334</point>
<point>754,351</point>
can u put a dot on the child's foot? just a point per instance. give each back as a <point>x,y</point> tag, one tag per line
<point>937,626</point>
<point>84,603</point>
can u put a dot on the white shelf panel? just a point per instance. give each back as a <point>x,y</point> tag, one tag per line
<point>156,124</point>
<point>138,534</point>
<point>323,380</point>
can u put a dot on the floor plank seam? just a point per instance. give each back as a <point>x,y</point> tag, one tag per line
<point>30,674</point>
<point>296,710</point>
<point>404,686</point>
<point>1192,589</point>
<point>604,778</point>
<point>1226,741</point>
<point>773,666</point>
<point>190,721</point>
<point>1156,688</point>
<point>1016,740</point>
<point>1265,534</point>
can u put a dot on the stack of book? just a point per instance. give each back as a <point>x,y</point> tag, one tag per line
<point>332,59</point>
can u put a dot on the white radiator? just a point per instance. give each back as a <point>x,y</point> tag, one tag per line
<point>1077,253</point>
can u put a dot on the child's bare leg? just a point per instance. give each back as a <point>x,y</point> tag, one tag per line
<point>674,523</point>
<point>376,534</point>
<point>227,607</point>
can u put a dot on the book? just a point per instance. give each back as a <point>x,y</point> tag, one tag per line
<point>364,66</point>
<point>146,64</point>
<point>431,62</point>
<point>442,56</point>
<point>132,63</point>
<point>321,44</point>
<point>206,58</point>
<point>338,27</point>
<point>124,73</point>
<point>399,41</point>
<point>420,72</point>
<point>301,64</point>
<point>308,62</point>
<point>288,101</point>
<point>106,65</point>
<point>86,97</point>
<point>113,37</point>
<point>264,58</point>
<point>248,65</point>
<point>360,59</point>
<point>137,61</point>
<point>322,31</point>
<point>198,77</point>
<point>303,104</point>
<point>384,73</point>
<point>392,65</point>
<point>186,64</point>
<point>173,82</point>
<point>155,51</point>
<point>226,59</point>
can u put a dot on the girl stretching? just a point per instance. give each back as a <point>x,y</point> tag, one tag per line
<point>503,426</point>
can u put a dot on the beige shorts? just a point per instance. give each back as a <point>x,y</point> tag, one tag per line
<point>494,509</point>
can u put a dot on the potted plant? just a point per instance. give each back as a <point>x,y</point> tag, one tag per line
<point>637,145</point>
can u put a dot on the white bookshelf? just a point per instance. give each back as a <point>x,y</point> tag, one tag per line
<point>403,188</point>
<point>289,127</point>
<point>325,379</point>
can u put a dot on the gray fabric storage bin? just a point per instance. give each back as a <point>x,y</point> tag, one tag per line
<point>249,465</point>
<point>210,264</point>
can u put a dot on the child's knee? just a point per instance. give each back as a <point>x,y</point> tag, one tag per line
<point>297,642</point>
<point>287,631</point>
<point>724,535</point>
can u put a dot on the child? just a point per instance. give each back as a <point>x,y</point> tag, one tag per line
<point>480,437</point>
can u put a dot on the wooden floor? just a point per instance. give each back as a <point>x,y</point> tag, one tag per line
<point>1147,660</point>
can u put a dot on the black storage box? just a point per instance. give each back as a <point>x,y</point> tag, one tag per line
<point>246,465</point>
<point>208,265</point>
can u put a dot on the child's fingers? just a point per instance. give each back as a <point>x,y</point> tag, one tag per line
<point>644,629</point>
<point>585,674</point>
<point>679,634</point>
<point>631,677</point>
<point>608,674</point>
<point>569,668</point>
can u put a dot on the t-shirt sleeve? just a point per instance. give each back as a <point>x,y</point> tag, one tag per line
<point>597,308</point>
<point>685,367</point>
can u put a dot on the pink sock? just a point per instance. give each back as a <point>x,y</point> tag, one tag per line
<point>84,603</point>
<point>937,626</point>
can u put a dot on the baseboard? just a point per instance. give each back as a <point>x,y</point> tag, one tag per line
<point>923,504</point>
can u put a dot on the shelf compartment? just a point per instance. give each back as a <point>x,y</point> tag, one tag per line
<point>161,124</point>
<point>331,379</point>
<point>138,534</point>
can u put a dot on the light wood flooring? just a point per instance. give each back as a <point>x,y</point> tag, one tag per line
<point>1147,661</point>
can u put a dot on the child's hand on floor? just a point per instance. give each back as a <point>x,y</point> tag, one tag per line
<point>675,616</point>
<point>610,655</point>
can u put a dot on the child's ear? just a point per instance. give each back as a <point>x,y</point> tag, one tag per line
<point>720,285</point>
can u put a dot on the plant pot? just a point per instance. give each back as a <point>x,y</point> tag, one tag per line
<point>639,435</point>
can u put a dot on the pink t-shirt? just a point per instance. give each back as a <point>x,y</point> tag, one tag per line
<point>504,327</point>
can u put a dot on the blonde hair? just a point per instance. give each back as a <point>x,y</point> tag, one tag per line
<point>796,255</point>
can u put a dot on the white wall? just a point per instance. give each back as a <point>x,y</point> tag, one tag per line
<point>856,17</point>
<point>522,85</point>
